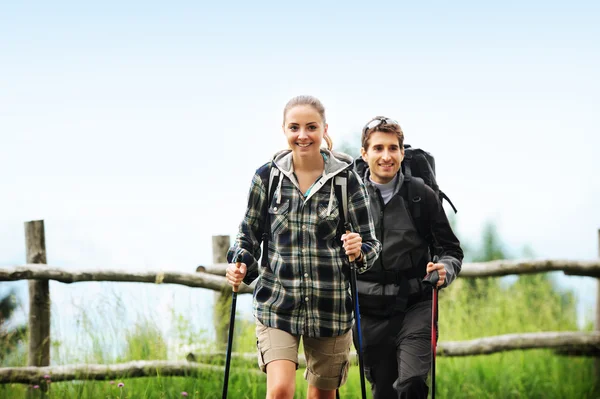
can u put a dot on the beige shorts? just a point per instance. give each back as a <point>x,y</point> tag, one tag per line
<point>327,359</point>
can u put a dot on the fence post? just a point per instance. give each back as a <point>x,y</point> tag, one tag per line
<point>220,245</point>
<point>39,299</point>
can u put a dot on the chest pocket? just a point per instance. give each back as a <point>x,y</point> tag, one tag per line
<point>327,224</point>
<point>278,214</point>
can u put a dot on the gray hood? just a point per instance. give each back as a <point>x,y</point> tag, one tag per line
<point>335,162</point>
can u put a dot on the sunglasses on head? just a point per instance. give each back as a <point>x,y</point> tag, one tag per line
<point>377,122</point>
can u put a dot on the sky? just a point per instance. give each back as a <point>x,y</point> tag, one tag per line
<point>133,128</point>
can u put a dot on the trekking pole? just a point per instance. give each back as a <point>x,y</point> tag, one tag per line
<point>357,317</point>
<point>432,279</point>
<point>234,291</point>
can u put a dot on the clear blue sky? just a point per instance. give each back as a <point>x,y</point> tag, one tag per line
<point>133,128</point>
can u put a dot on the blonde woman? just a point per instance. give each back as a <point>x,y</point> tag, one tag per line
<point>303,282</point>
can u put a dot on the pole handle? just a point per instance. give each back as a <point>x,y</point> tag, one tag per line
<point>433,277</point>
<point>238,263</point>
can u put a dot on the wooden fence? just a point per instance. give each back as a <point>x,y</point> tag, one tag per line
<point>38,272</point>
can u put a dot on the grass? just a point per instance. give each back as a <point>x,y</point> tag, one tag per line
<point>468,309</point>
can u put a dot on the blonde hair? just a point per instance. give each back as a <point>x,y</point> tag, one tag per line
<point>317,106</point>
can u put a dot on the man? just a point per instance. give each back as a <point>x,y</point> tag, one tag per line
<point>395,305</point>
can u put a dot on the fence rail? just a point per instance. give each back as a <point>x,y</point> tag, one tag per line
<point>578,342</point>
<point>499,268</point>
<point>152,368</point>
<point>496,268</point>
<point>211,277</point>
<point>38,272</point>
<point>564,343</point>
<point>48,272</point>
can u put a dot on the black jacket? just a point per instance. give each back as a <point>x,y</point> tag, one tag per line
<point>394,281</point>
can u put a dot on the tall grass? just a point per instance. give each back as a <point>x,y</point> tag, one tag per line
<point>468,309</point>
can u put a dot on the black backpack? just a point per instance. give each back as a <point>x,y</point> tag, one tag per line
<point>420,163</point>
<point>418,167</point>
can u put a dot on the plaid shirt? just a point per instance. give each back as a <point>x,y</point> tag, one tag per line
<point>304,290</point>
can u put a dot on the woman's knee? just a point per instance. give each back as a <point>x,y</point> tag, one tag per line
<point>281,390</point>
<point>281,379</point>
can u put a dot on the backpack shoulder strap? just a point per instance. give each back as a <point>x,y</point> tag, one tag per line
<point>270,184</point>
<point>443,196</point>
<point>274,177</point>
<point>269,175</point>
<point>341,194</point>
<point>413,192</point>
<point>406,163</point>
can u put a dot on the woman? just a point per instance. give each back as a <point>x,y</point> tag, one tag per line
<point>302,290</point>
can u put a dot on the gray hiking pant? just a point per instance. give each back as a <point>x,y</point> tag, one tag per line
<point>397,353</point>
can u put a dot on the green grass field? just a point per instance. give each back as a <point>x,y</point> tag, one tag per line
<point>468,309</point>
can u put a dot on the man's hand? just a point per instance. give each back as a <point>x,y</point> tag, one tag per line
<point>440,269</point>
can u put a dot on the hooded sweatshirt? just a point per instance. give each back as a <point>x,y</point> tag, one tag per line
<point>304,289</point>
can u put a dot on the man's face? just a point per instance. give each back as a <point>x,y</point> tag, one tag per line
<point>383,156</point>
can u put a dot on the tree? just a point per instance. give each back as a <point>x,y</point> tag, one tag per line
<point>10,337</point>
<point>491,248</point>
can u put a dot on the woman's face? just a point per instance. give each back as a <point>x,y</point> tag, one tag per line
<point>304,130</point>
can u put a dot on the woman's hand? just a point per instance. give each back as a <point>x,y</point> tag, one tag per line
<point>235,274</point>
<point>352,245</point>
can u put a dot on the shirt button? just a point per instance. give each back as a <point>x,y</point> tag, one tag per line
<point>275,208</point>
<point>306,299</point>
<point>303,250</point>
<point>305,274</point>
<point>303,227</point>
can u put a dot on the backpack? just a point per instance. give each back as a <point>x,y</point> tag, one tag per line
<point>418,167</point>
<point>272,181</point>
<point>420,163</point>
